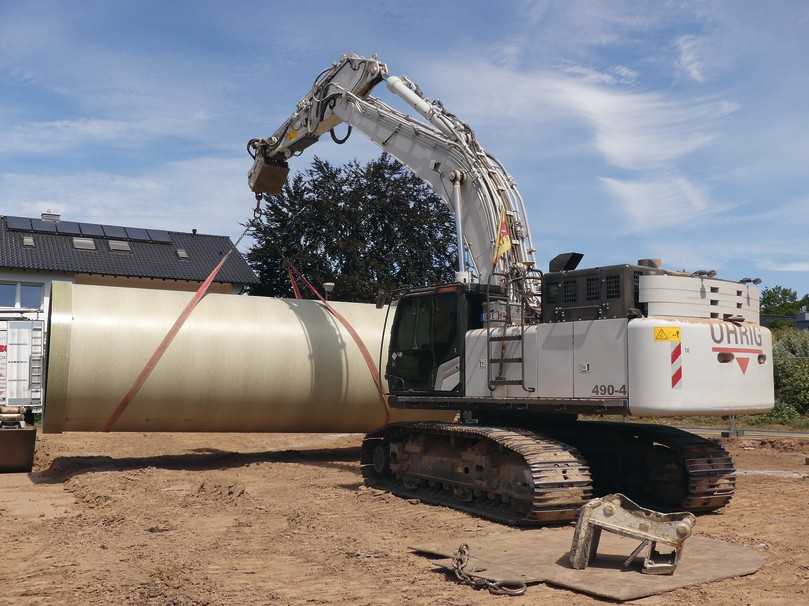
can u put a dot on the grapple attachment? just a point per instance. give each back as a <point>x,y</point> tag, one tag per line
<point>617,514</point>
<point>268,175</point>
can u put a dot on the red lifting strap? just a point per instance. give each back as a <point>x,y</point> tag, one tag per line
<point>369,361</point>
<point>294,283</point>
<point>164,345</point>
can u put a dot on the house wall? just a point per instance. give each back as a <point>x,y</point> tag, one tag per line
<point>45,279</point>
<point>31,277</point>
<point>22,332</point>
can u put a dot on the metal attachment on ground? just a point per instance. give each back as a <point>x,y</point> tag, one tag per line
<point>504,587</point>
<point>12,416</point>
<point>617,514</point>
<point>17,439</point>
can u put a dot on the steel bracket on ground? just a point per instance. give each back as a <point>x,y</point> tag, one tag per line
<point>617,514</point>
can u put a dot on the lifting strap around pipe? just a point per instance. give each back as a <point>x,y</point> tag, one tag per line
<point>369,361</point>
<point>164,345</point>
<point>294,283</point>
<point>178,324</point>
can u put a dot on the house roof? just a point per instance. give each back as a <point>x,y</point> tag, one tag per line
<point>153,253</point>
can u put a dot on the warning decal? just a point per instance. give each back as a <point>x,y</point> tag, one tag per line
<point>667,333</point>
<point>676,365</point>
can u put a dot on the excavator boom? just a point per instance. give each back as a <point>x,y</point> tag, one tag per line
<point>439,148</point>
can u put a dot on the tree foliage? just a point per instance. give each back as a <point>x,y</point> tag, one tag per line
<point>791,367</point>
<point>361,227</point>
<point>782,301</point>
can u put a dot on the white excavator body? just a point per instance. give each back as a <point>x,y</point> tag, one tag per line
<point>642,342</point>
<point>682,359</point>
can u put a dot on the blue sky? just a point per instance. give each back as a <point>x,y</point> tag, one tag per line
<point>676,129</point>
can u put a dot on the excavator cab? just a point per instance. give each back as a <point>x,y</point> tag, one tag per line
<point>426,350</point>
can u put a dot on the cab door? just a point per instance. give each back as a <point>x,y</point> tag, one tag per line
<point>426,343</point>
<point>448,339</point>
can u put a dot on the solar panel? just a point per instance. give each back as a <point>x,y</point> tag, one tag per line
<point>159,235</point>
<point>113,231</point>
<point>68,227</point>
<point>91,229</point>
<point>21,223</point>
<point>136,233</point>
<point>43,226</point>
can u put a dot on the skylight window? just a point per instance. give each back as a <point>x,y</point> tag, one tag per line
<point>84,243</point>
<point>28,241</point>
<point>181,252</point>
<point>120,245</point>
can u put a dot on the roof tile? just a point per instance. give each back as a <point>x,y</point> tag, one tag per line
<point>55,252</point>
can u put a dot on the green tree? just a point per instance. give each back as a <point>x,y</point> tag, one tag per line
<point>780,301</point>
<point>791,367</point>
<point>361,227</point>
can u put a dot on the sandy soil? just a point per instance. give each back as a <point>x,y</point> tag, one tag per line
<point>284,519</point>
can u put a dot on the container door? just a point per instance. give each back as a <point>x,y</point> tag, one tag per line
<point>411,362</point>
<point>18,362</point>
<point>36,365</point>
<point>3,361</point>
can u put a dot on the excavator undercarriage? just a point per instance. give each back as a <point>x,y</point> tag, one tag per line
<point>523,476</point>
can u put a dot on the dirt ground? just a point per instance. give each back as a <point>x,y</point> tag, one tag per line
<point>284,519</point>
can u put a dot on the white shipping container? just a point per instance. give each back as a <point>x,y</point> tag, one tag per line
<point>21,363</point>
<point>3,358</point>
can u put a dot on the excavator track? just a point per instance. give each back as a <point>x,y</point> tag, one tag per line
<point>522,477</point>
<point>663,467</point>
<point>513,476</point>
<point>710,474</point>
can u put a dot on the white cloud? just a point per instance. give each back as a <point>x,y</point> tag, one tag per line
<point>631,129</point>
<point>116,94</point>
<point>209,193</point>
<point>643,130</point>
<point>661,202</point>
<point>588,75</point>
<point>594,23</point>
<point>794,213</point>
<point>788,266</point>
<point>59,135</point>
<point>703,244</point>
<point>689,49</point>
<point>625,74</point>
<point>510,52</point>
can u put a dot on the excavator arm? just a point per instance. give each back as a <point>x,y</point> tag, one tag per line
<point>440,149</point>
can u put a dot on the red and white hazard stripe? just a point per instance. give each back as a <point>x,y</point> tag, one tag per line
<point>676,365</point>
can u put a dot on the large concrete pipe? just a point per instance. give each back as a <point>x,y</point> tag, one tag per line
<point>241,364</point>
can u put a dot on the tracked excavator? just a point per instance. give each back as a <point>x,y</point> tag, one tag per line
<point>522,354</point>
